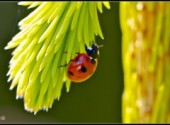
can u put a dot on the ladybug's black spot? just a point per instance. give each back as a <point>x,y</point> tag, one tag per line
<point>83,69</point>
<point>92,61</point>
<point>71,73</point>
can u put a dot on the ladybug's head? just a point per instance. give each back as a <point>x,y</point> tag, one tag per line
<point>93,51</point>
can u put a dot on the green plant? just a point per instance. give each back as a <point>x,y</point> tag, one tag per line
<point>46,33</point>
<point>146,41</point>
<point>57,27</point>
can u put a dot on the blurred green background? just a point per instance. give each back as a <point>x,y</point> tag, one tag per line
<point>97,100</point>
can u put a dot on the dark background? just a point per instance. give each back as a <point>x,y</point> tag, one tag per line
<point>97,100</point>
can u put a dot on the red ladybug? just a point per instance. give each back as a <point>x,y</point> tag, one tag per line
<point>83,65</point>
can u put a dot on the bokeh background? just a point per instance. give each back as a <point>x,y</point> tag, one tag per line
<point>97,100</point>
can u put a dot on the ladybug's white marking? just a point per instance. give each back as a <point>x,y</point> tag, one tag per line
<point>90,48</point>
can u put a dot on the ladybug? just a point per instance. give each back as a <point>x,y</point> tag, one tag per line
<point>84,64</point>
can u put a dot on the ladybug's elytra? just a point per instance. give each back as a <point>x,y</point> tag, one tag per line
<point>84,64</point>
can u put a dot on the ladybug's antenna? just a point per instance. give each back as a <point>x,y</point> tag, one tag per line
<point>99,46</point>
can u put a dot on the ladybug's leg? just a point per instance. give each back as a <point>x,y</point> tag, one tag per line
<point>65,64</point>
<point>93,61</point>
<point>76,52</point>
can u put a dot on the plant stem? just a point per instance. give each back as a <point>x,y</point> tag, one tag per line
<point>145,52</point>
